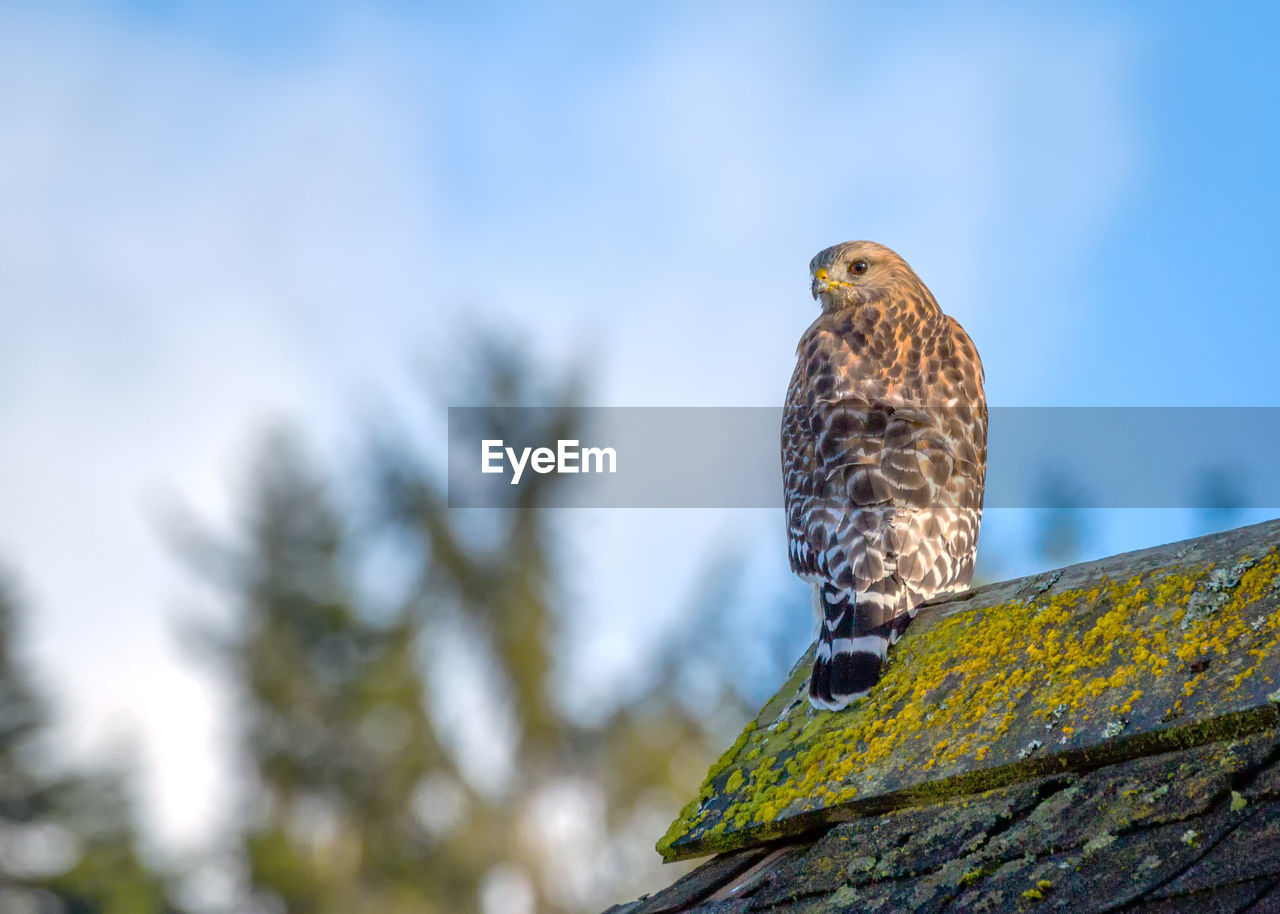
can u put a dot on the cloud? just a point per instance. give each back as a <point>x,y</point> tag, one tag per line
<point>192,250</point>
<point>200,238</point>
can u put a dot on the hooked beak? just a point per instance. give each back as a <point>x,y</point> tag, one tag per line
<point>820,283</point>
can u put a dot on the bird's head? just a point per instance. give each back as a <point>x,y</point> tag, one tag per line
<point>857,272</point>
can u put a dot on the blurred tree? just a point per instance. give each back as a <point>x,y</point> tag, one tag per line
<point>334,729</point>
<point>496,576</point>
<point>360,723</point>
<point>1063,531</point>
<point>1219,497</point>
<point>67,842</point>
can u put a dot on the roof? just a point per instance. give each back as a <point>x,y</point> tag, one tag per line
<point>1096,738</point>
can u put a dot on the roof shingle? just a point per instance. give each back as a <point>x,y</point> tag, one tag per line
<point>1099,739</point>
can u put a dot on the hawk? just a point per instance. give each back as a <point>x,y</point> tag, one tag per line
<point>884,453</point>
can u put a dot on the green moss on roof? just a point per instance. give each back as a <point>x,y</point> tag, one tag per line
<point>1026,678</point>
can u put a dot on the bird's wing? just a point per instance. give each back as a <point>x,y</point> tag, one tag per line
<point>938,544</point>
<point>852,463</point>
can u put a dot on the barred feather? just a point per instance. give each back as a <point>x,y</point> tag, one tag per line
<point>884,461</point>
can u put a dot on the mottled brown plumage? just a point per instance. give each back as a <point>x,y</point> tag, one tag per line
<point>884,446</point>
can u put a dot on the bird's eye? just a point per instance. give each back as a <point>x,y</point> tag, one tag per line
<point>858,267</point>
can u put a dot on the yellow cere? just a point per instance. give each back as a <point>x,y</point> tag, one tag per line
<point>1071,666</point>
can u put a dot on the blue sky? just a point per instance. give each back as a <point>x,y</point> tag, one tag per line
<point>217,216</point>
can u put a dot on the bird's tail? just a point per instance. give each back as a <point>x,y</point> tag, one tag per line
<point>854,634</point>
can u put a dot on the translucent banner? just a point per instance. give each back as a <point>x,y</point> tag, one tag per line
<point>695,457</point>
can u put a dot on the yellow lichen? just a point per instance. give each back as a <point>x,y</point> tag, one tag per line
<point>952,692</point>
